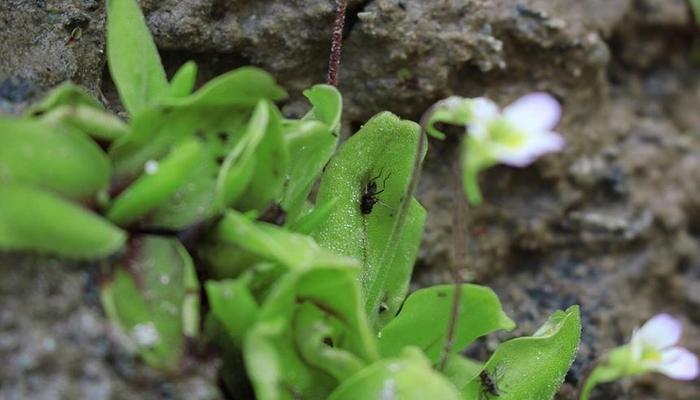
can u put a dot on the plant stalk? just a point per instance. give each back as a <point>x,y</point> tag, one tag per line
<point>337,43</point>
<point>459,261</point>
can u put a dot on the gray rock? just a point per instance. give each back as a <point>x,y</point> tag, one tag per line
<point>47,42</point>
<point>56,343</point>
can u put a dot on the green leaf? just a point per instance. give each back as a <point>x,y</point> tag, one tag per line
<point>240,88</point>
<point>310,222</point>
<point>311,145</point>
<point>148,300</point>
<point>156,130</point>
<point>327,106</point>
<point>65,94</point>
<point>321,285</point>
<point>238,168</point>
<point>461,371</point>
<point>132,57</point>
<point>191,302</point>
<point>233,306</point>
<point>93,121</point>
<point>533,368</point>
<point>312,141</point>
<point>424,319</point>
<point>61,160</point>
<point>271,166</point>
<point>227,102</point>
<point>265,242</point>
<point>383,151</point>
<point>191,203</point>
<point>285,356</point>
<point>34,220</point>
<point>69,104</point>
<point>315,337</point>
<point>406,378</point>
<point>155,188</point>
<point>392,294</point>
<point>695,5</point>
<point>183,82</point>
<point>287,348</point>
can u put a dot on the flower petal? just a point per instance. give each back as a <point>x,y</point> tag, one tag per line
<point>484,111</point>
<point>534,147</point>
<point>679,363</point>
<point>534,112</point>
<point>660,332</point>
<point>636,347</point>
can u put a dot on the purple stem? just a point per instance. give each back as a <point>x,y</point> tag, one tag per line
<point>337,46</point>
<point>460,256</point>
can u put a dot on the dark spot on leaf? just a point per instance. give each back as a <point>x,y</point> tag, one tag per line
<point>274,214</point>
<point>442,294</point>
<point>328,341</point>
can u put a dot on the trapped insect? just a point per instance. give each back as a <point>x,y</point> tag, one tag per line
<point>369,197</point>
<point>489,384</point>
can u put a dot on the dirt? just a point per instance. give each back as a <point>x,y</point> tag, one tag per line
<point>612,224</point>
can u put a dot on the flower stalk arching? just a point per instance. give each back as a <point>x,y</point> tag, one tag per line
<point>516,136</point>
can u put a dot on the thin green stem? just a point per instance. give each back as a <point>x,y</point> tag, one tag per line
<point>601,372</point>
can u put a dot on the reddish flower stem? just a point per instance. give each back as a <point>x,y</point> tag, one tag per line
<point>459,262</point>
<point>337,45</point>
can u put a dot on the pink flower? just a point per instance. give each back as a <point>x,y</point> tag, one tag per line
<point>519,134</point>
<point>653,348</point>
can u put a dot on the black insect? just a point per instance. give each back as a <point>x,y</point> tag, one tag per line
<point>489,385</point>
<point>369,197</point>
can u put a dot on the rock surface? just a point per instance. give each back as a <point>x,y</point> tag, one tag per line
<point>612,224</point>
<point>45,42</point>
<point>56,343</point>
